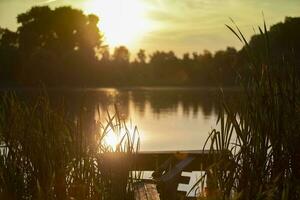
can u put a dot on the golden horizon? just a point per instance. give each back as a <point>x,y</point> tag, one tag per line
<point>121,23</point>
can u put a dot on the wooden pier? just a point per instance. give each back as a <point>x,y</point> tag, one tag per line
<point>152,160</point>
<point>167,167</point>
<point>146,190</point>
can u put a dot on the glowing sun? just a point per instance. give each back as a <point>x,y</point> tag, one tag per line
<point>123,22</point>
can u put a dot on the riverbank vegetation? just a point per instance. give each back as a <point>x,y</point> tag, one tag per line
<point>64,47</point>
<point>47,154</point>
<point>263,134</point>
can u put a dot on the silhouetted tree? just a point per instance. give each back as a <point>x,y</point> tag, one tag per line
<point>8,55</point>
<point>57,45</point>
<point>224,63</point>
<point>141,55</point>
<point>186,57</point>
<point>166,68</point>
<point>62,46</point>
<point>283,44</point>
<point>283,38</point>
<point>105,54</point>
<point>121,54</point>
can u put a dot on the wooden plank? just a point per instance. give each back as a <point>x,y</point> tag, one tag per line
<point>145,191</point>
<point>152,160</point>
<point>176,152</point>
<point>184,179</point>
<point>177,169</point>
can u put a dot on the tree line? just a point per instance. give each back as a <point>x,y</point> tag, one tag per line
<point>64,47</point>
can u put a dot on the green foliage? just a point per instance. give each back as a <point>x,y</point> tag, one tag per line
<point>262,136</point>
<point>45,154</point>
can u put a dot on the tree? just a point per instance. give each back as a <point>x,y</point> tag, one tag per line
<point>165,67</point>
<point>105,54</point>
<point>223,66</point>
<point>62,30</point>
<point>121,54</point>
<point>162,57</point>
<point>282,42</point>
<point>186,57</point>
<point>8,55</point>
<point>141,55</point>
<point>55,44</point>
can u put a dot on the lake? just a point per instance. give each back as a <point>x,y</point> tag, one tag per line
<point>167,118</point>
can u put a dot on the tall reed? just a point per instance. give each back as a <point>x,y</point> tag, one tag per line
<point>262,135</point>
<point>46,154</point>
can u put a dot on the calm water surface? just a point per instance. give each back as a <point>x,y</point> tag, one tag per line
<point>167,118</point>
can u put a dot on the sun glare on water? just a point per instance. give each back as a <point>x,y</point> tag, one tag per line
<point>111,140</point>
<point>123,22</point>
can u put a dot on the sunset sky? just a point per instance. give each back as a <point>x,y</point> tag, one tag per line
<point>179,25</point>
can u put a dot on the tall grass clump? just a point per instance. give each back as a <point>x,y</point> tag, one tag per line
<point>47,154</point>
<point>262,136</point>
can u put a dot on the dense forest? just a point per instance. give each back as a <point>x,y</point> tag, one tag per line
<point>64,47</point>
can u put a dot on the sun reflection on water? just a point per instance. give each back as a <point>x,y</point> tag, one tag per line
<point>111,140</point>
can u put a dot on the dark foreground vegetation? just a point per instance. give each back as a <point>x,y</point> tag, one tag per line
<point>263,134</point>
<point>63,47</point>
<point>46,154</point>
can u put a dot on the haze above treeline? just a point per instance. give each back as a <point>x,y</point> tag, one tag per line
<point>63,47</point>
